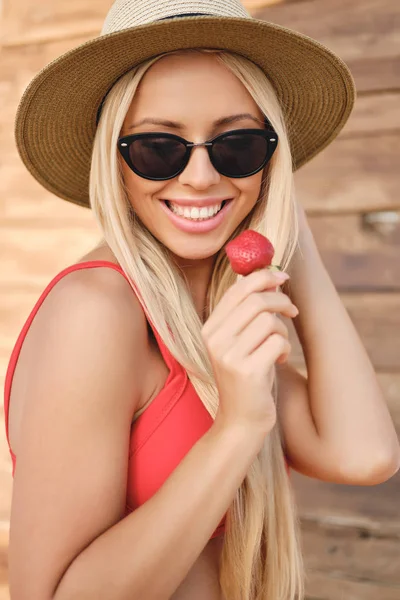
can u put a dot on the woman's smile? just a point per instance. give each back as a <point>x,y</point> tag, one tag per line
<point>197,222</point>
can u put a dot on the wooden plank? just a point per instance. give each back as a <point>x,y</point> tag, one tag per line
<point>29,22</point>
<point>31,253</point>
<point>329,587</point>
<point>255,5</point>
<point>390,384</point>
<point>352,175</point>
<point>364,34</point>
<point>359,257</point>
<point>376,113</point>
<point>375,74</point>
<point>350,554</point>
<point>24,198</point>
<point>369,510</point>
<point>376,318</point>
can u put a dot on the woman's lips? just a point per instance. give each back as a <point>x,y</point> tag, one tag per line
<point>203,226</point>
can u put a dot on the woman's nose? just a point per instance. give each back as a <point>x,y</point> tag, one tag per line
<point>199,172</point>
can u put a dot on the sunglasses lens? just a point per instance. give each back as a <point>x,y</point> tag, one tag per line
<point>238,155</point>
<point>157,157</point>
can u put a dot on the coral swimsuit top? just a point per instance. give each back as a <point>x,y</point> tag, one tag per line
<point>160,436</point>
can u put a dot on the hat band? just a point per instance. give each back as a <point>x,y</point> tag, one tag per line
<point>187,15</point>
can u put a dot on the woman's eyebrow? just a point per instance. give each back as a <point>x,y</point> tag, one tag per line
<point>176,125</point>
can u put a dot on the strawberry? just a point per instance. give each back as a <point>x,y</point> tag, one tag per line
<point>249,251</point>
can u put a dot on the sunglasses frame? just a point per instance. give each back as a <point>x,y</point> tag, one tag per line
<point>124,142</point>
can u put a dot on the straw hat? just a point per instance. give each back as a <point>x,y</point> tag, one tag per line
<point>56,118</point>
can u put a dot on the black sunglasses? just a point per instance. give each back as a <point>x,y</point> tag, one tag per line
<point>161,156</point>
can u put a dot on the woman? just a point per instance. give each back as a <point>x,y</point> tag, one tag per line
<point>151,432</point>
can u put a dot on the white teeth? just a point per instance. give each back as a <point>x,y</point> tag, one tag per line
<point>192,212</point>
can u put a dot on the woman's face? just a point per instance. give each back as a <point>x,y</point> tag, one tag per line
<point>195,91</point>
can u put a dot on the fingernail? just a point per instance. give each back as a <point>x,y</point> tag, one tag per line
<point>281,276</point>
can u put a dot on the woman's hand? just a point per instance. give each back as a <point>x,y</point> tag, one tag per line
<point>244,338</point>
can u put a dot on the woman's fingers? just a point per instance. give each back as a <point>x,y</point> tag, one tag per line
<point>261,306</point>
<point>258,330</point>
<point>259,281</point>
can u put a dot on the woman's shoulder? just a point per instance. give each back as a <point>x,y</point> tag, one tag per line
<point>93,300</point>
<point>97,282</point>
<point>89,328</point>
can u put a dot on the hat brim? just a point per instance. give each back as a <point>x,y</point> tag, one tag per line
<point>55,121</point>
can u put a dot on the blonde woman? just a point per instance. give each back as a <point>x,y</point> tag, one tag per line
<point>151,409</point>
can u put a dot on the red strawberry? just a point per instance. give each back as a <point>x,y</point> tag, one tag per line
<point>249,251</point>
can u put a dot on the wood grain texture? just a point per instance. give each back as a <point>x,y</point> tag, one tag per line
<point>352,175</point>
<point>29,22</point>
<point>22,197</point>
<point>364,34</point>
<point>32,253</point>
<point>359,256</point>
<point>376,113</point>
<point>321,586</point>
<point>32,22</point>
<point>352,555</point>
<point>371,510</point>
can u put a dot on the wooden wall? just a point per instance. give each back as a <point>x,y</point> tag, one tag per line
<point>351,534</point>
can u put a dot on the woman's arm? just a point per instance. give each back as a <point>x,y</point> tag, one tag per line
<point>148,554</point>
<point>346,403</point>
<point>68,537</point>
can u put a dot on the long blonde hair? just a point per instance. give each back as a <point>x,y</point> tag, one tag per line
<point>261,557</point>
